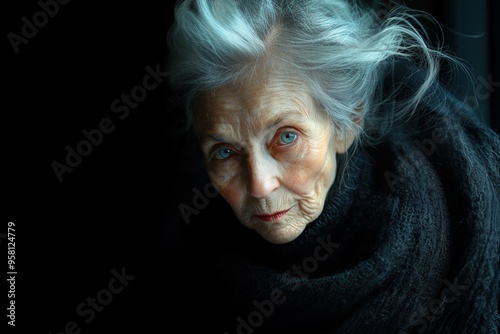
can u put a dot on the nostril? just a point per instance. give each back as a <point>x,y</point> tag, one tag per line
<point>261,176</point>
<point>260,186</point>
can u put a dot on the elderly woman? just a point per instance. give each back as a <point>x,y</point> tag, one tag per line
<point>357,194</point>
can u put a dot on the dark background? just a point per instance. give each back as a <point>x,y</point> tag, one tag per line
<point>118,208</point>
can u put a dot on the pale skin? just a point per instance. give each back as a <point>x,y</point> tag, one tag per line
<point>270,152</point>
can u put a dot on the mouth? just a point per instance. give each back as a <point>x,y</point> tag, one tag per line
<point>272,216</point>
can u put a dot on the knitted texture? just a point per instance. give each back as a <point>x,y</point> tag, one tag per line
<point>408,242</point>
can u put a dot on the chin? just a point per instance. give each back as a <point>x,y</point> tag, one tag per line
<point>281,235</point>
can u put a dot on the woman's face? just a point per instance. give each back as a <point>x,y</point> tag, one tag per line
<point>269,152</point>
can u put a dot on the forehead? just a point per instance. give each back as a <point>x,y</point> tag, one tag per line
<point>255,102</point>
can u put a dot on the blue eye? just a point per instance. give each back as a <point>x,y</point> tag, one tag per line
<point>288,137</point>
<point>223,153</point>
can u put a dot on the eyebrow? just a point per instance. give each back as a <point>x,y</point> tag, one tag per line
<point>292,116</point>
<point>213,137</point>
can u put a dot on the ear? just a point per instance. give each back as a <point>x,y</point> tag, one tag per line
<point>345,141</point>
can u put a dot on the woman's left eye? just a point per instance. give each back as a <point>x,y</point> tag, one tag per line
<point>288,137</point>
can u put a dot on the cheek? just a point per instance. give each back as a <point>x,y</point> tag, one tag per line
<point>316,167</point>
<point>231,193</point>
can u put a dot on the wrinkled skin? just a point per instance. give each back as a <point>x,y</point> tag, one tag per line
<point>269,148</point>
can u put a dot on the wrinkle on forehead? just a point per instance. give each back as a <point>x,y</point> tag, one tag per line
<point>252,103</point>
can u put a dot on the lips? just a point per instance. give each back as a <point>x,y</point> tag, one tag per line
<point>273,216</point>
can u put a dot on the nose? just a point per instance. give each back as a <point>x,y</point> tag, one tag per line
<point>262,176</point>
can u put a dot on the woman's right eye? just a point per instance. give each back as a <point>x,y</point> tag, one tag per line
<point>223,153</point>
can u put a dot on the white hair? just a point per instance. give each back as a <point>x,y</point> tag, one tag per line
<point>342,49</point>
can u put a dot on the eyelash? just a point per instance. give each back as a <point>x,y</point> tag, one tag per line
<point>288,132</point>
<point>219,147</point>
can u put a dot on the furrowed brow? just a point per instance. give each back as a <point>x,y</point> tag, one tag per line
<point>296,117</point>
<point>211,137</point>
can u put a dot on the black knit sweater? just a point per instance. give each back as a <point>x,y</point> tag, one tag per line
<point>408,242</point>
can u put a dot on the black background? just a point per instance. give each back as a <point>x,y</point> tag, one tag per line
<point>117,208</point>
<point>110,211</point>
